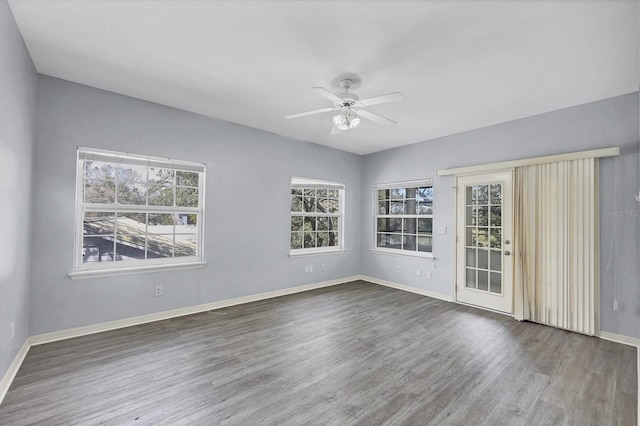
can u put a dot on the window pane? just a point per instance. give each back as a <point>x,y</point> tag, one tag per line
<point>309,239</point>
<point>322,205</point>
<point>310,223</point>
<point>160,195</point>
<point>131,223</point>
<point>383,207</point>
<point>390,241</point>
<point>99,191</point>
<point>333,206</point>
<point>321,193</point>
<point>296,240</point>
<point>409,226</point>
<point>334,239</point>
<point>186,245</point>
<point>130,247</point>
<point>99,170</point>
<point>383,194</point>
<point>334,224</point>
<point>159,245</point>
<point>471,257</point>
<point>425,244</point>
<point>471,237</point>
<point>187,178</point>
<point>323,239</point>
<point>159,176</point>
<point>333,193</point>
<point>389,225</point>
<point>483,216</point>
<point>99,223</point>
<point>132,193</point>
<point>309,204</point>
<point>424,208</point>
<point>409,242</point>
<point>296,191</point>
<point>425,225</point>
<point>480,194</point>
<point>470,281</point>
<point>496,216</point>
<point>186,223</point>
<point>296,223</point>
<point>496,283</point>
<point>397,193</point>
<point>296,204</point>
<point>471,216</point>
<point>483,280</point>
<point>496,193</point>
<point>322,223</point>
<point>131,173</point>
<point>425,194</point>
<point>483,258</point>
<point>187,197</point>
<point>496,260</point>
<point>397,207</point>
<point>160,223</point>
<point>97,249</point>
<point>309,192</point>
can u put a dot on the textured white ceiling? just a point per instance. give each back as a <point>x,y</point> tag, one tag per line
<point>461,64</point>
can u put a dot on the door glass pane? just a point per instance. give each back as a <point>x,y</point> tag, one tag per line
<point>496,282</point>
<point>495,238</point>
<point>483,280</point>
<point>471,257</point>
<point>496,193</point>
<point>480,194</point>
<point>471,216</point>
<point>471,237</point>
<point>483,216</point>
<point>483,259</point>
<point>496,216</point>
<point>496,260</point>
<point>471,278</point>
<point>483,237</point>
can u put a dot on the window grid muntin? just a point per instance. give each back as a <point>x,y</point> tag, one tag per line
<point>299,193</point>
<point>393,196</point>
<point>115,177</point>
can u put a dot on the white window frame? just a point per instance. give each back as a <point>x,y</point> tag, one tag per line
<point>92,269</point>
<point>376,215</point>
<point>304,183</point>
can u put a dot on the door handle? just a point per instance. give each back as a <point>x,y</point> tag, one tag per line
<point>507,253</point>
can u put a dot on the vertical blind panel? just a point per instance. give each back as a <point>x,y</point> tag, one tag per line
<point>556,243</point>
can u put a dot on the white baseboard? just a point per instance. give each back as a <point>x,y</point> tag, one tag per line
<point>158,316</point>
<point>407,288</point>
<point>6,381</point>
<point>620,338</point>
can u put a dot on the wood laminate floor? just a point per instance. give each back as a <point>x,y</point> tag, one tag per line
<point>356,353</point>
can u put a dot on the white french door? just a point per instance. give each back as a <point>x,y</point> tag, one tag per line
<point>484,242</point>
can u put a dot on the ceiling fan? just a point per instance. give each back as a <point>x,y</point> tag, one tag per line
<point>348,104</point>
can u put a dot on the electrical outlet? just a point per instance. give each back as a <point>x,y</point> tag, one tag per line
<point>323,267</point>
<point>159,290</point>
<point>308,269</point>
<point>398,268</point>
<point>418,272</point>
<point>615,304</point>
<point>442,230</point>
<point>12,330</point>
<point>428,275</point>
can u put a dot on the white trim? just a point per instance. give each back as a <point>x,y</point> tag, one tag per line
<point>403,253</point>
<point>313,252</point>
<point>98,273</point>
<point>620,338</point>
<point>8,377</point>
<point>174,313</point>
<point>407,288</point>
<point>417,183</point>
<point>298,182</point>
<point>594,153</point>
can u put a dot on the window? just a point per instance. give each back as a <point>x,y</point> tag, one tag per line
<point>133,210</point>
<point>316,216</point>
<point>404,217</point>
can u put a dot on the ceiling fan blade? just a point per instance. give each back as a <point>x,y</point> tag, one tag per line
<point>335,131</point>
<point>315,111</point>
<point>382,99</point>
<point>327,94</point>
<point>376,118</point>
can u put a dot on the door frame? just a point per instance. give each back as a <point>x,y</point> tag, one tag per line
<point>456,219</point>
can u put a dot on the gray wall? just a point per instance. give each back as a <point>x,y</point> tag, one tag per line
<point>611,122</point>
<point>18,80</point>
<point>247,221</point>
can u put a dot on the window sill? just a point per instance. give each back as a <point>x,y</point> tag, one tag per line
<point>315,252</point>
<point>98,273</point>
<point>423,255</point>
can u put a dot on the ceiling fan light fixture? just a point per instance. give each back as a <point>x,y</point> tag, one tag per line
<point>346,120</point>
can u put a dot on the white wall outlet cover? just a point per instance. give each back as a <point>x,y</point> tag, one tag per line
<point>442,230</point>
